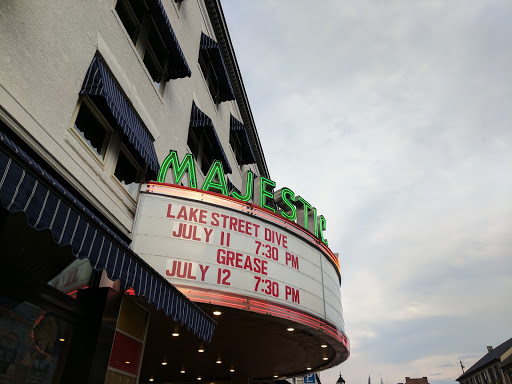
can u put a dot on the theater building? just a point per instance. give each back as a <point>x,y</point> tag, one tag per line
<point>142,238</point>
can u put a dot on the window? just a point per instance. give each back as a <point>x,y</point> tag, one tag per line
<point>209,74</point>
<point>497,371</point>
<point>202,149</point>
<point>141,28</point>
<point>484,377</point>
<point>214,70</point>
<point>237,148</point>
<point>491,374</point>
<point>128,172</point>
<point>96,133</point>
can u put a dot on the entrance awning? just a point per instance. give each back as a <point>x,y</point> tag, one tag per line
<point>25,186</point>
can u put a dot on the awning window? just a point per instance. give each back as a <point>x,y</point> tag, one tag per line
<point>200,122</point>
<point>25,186</point>
<point>238,129</point>
<point>99,82</point>
<point>213,50</point>
<point>178,66</point>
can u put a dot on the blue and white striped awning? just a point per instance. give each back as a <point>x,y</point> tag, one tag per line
<point>25,186</point>
<point>238,129</point>
<point>177,66</point>
<point>99,82</point>
<point>200,121</point>
<point>213,49</point>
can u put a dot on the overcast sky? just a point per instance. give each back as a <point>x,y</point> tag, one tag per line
<point>394,118</point>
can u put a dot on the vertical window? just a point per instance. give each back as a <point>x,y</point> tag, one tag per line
<point>202,149</point>
<point>144,34</point>
<point>128,172</point>
<point>206,65</point>
<point>237,148</point>
<point>93,132</point>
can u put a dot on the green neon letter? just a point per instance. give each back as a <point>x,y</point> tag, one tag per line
<point>262,193</point>
<point>217,171</point>
<point>302,211</point>
<point>248,184</point>
<point>178,169</point>
<point>314,222</point>
<point>284,199</point>
<point>323,227</point>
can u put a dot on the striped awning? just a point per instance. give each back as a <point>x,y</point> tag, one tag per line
<point>99,82</point>
<point>238,129</point>
<point>177,66</point>
<point>200,121</point>
<point>25,186</point>
<point>213,49</point>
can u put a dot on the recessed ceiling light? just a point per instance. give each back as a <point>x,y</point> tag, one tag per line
<point>290,329</point>
<point>308,368</point>
<point>325,358</point>
<point>182,371</point>
<point>231,370</point>
<point>151,378</point>
<point>164,362</point>
<point>62,339</point>
<point>217,313</point>
<point>324,345</point>
<point>219,361</point>
<point>200,350</point>
<point>175,334</point>
<point>199,378</point>
<point>276,376</point>
<point>127,362</point>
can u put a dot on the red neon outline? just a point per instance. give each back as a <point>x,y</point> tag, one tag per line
<point>163,188</point>
<point>260,306</point>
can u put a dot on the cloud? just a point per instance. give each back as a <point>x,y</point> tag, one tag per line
<point>393,118</point>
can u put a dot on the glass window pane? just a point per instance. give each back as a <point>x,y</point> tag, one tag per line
<point>128,174</point>
<point>91,130</point>
<point>193,143</point>
<point>157,45</point>
<point>153,66</point>
<point>127,14</point>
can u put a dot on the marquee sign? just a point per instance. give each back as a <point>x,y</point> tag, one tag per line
<point>206,240</point>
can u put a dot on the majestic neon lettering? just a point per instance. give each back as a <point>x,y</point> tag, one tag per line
<point>291,207</point>
<point>248,184</point>
<point>216,179</point>
<point>178,169</point>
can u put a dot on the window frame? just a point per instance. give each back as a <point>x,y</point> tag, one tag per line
<point>85,100</point>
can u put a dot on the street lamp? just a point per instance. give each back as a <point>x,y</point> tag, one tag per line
<point>340,380</point>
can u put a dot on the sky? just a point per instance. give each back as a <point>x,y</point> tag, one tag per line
<point>394,118</point>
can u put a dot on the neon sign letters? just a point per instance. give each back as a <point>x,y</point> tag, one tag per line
<point>261,190</point>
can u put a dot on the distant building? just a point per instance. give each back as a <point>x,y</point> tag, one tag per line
<point>494,367</point>
<point>421,380</point>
